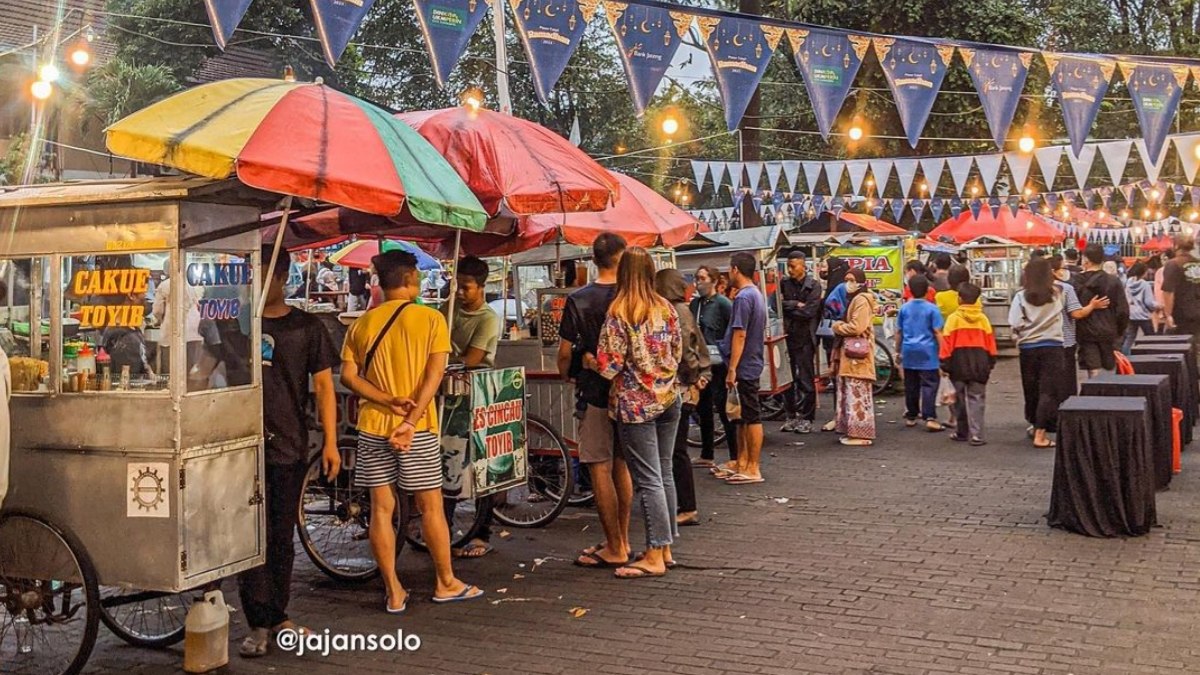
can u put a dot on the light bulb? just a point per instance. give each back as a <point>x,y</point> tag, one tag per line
<point>48,73</point>
<point>41,90</point>
<point>1155,195</point>
<point>1028,192</point>
<point>856,133</point>
<point>670,126</point>
<point>1026,144</point>
<point>974,190</point>
<point>1193,215</point>
<point>870,182</point>
<point>1145,213</point>
<point>81,56</point>
<point>924,187</point>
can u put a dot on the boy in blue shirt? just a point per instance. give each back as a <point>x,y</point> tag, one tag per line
<point>918,341</point>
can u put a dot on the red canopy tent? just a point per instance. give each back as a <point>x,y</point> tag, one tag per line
<point>849,222</point>
<point>1024,228</point>
<point>1159,244</point>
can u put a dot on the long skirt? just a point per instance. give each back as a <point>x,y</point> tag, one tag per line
<point>855,408</point>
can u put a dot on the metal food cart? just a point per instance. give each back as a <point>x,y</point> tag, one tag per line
<point>996,264</point>
<point>137,446</point>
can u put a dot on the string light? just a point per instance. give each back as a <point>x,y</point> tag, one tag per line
<point>1158,215</point>
<point>48,73</point>
<point>1028,191</point>
<point>974,190</point>
<point>1155,195</point>
<point>870,182</point>
<point>80,56</point>
<point>925,186</point>
<point>1137,231</point>
<point>1026,144</point>
<point>1193,215</point>
<point>1125,214</point>
<point>1145,213</point>
<point>41,90</point>
<point>670,126</point>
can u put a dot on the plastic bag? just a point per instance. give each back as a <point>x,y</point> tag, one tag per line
<point>733,405</point>
<point>945,393</point>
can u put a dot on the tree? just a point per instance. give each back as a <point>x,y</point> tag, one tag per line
<point>119,88</point>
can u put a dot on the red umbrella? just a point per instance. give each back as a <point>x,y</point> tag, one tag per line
<point>643,217</point>
<point>515,167</point>
<point>1024,228</point>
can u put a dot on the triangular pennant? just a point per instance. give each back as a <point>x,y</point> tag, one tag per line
<point>739,50</point>
<point>1080,83</point>
<point>857,171</point>
<point>1018,166</point>
<point>448,26</point>
<point>999,77</point>
<point>837,206</point>
<point>818,205</point>
<point>833,173</point>
<point>1156,90</point>
<point>700,171</point>
<point>1116,157</point>
<point>877,210</point>
<point>989,170</point>
<point>1105,196</point>
<point>956,206</point>
<point>1153,164</point>
<point>812,174</point>
<point>1014,205</point>
<point>1089,198</point>
<point>1178,191</point>
<point>994,205</point>
<point>754,172</point>
<point>337,21</point>
<point>1196,197</point>
<point>976,208</point>
<point>224,16</point>
<point>935,208</point>
<point>960,170</point>
<point>737,172</point>
<point>1052,200</point>
<point>931,168</point>
<point>918,209</point>
<point>791,173</point>
<point>828,61</point>
<point>1127,194</point>
<point>906,172</point>
<point>897,210</point>
<point>648,37</point>
<point>1186,148</point>
<point>774,170</point>
<point>1081,164</point>
<point>551,31</point>
<point>1048,159</point>
<point>881,170</point>
<point>915,70</point>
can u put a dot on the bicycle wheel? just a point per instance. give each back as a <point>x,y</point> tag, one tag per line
<point>885,367</point>
<point>467,519</point>
<point>144,618</point>
<point>548,485</point>
<point>694,440</point>
<point>772,407</point>
<point>335,519</point>
<point>49,598</point>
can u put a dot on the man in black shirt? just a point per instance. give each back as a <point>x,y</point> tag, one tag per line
<point>802,308</point>
<point>294,346</point>
<point>1181,287</point>
<point>1099,334</point>
<point>579,334</point>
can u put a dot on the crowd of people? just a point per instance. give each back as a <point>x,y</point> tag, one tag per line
<point>644,361</point>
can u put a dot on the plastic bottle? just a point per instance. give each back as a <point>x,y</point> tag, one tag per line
<point>104,362</point>
<point>206,634</point>
<point>85,360</point>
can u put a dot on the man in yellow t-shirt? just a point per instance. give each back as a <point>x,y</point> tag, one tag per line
<point>394,359</point>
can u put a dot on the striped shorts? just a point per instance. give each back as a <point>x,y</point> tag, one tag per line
<point>416,470</point>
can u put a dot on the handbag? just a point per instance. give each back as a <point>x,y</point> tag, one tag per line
<point>857,347</point>
<point>825,328</point>
<point>714,356</point>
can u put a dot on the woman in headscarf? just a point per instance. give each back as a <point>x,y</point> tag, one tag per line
<point>856,371</point>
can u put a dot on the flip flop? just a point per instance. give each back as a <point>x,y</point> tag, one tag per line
<point>670,564</point>
<point>469,551</point>
<point>703,463</point>
<point>1049,444</point>
<point>743,479</point>
<point>599,563</point>
<point>642,572</point>
<point>856,442</point>
<point>722,472</point>
<point>468,592</point>
<point>397,611</point>
<point>931,428</point>
<point>252,647</point>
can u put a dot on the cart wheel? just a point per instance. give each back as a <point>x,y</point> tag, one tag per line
<point>145,618</point>
<point>49,597</point>
<point>694,440</point>
<point>468,518</point>
<point>772,407</point>
<point>885,367</point>
<point>548,486</point>
<point>335,519</point>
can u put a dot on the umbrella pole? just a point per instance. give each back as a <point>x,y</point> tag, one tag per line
<point>287,210</point>
<point>454,275</point>
<point>308,281</point>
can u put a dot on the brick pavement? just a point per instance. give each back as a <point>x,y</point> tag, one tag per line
<point>918,555</point>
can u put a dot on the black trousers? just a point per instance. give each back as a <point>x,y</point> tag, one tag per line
<point>801,398</point>
<point>266,590</point>
<point>1042,373</point>
<point>681,464</point>
<point>712,401</point>
<point>1070,374</point>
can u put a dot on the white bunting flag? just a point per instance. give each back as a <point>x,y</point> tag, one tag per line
<point>960,170</point>
<point>754,171</point>
<point>881,171</point>
<point>812,174</point>
<point>700,170</point>
<point>1116,157</point>
<point>791,172</point>
<point>1048,159</point>
<point>833,173</point>
<point>1082,165</point>
<point>720,171</point>
<point>931,167</point>
<point>1186,147</point>
<point>1153,165</point>
<point>774,169</point>
<point>989,170</point>
<point>1018,165</point>
<point>857,170</point>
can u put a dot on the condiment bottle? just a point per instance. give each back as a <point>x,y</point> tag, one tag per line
<point>85,361</point>
<point>104,361</point>
<point>124,378</point>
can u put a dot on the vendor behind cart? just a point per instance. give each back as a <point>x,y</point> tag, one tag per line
<point>474,336</point>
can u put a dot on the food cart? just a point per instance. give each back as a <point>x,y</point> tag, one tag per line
<point>996,264</point>
<point>137,449</point>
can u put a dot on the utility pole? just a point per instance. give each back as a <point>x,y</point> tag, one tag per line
<point>502,93</point>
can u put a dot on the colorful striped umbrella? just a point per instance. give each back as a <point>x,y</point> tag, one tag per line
<point>300,139</point>
<point>358,254</point>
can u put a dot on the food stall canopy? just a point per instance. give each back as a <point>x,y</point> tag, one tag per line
<point>1025,228</point>
<point>849,222</point>
<point>936,246</point>
<point>515,167</point>
<point>1159,244</point>
<point>642,216</point>
<point>763,242</point>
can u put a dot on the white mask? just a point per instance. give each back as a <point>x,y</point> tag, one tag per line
<point>851,287</point>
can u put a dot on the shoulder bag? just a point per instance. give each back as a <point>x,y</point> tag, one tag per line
<point>379,338</point>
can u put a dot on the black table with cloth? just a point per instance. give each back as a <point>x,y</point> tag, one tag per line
<point>1174,366</point>
<point>1103,468</point>
<point>1193,369</point>
<point>1156,389</point>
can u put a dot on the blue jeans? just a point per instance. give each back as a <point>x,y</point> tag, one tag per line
<point>1131,333</point>
<point>648,450</point>
<point>920,393</point>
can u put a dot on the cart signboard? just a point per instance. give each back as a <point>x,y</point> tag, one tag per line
<point>497,437</point>
<point>551,304</point>
<point>884,267</point>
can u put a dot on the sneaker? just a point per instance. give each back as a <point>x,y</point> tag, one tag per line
<point>789,426</point>
<point>977,442</point>
<point>804,427</point>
